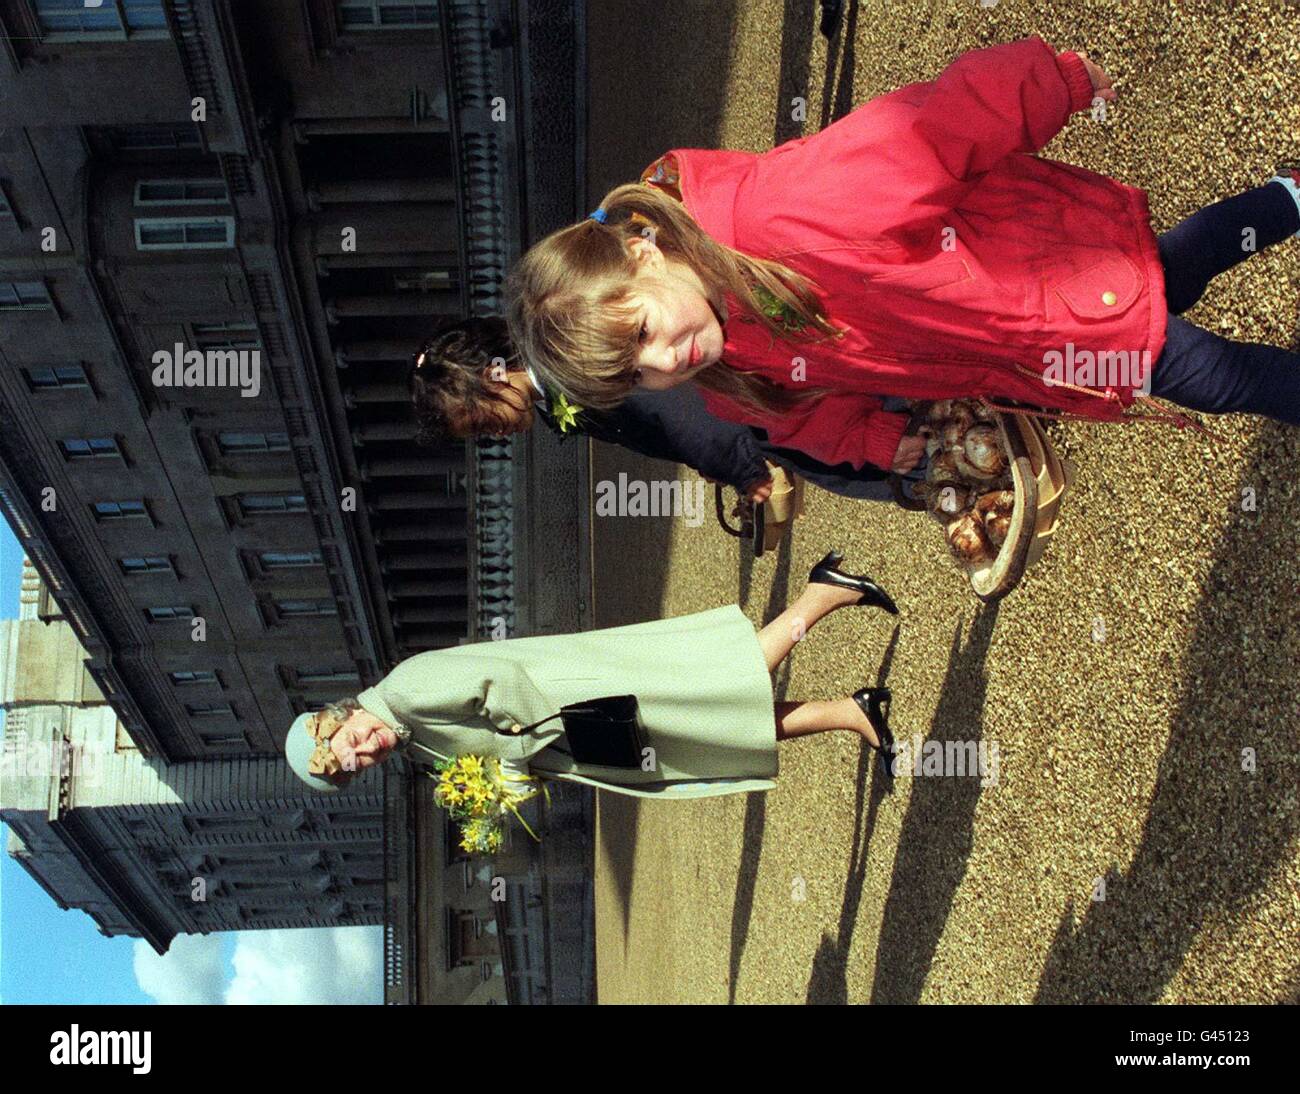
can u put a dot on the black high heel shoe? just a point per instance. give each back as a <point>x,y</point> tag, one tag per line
<point>825,573</point>
<point>874,703</point>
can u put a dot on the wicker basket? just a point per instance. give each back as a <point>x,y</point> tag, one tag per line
<point>1039,478</point>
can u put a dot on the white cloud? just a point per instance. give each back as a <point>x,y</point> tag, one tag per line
<point>320,965</point>
<point>191,971</point>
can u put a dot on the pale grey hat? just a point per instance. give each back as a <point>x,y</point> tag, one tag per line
<point>298,747</point>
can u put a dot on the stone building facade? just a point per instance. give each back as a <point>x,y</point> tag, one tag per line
<point>224,229</point>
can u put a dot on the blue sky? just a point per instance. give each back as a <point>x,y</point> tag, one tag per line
<point>53,956</point>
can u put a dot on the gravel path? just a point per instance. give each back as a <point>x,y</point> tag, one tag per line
<point>1157,640</point>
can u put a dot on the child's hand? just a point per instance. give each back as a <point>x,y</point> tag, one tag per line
<point>910,451</point>
<point>759,492</point>
<point>1100,81</point>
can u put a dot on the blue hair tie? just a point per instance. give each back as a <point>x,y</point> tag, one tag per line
<point>599,215</point>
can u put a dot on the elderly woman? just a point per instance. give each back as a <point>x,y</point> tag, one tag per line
<point>702,683</point>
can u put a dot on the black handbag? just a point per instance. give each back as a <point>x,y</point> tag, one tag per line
<point>603,732</point>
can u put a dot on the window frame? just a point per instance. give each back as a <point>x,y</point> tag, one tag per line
<point>190,612</point>
<point>119,517</point>
<point>123,32</point>
<point>258,514</point>
<point>215,682</point>
<point>19,305</point>
<point>46,389</point>
<point>91,457</point>
<point>378,26</point>
<point>268,435</point>
<point>227,222</point>
<point>141,202</point>
<point>168,567</point>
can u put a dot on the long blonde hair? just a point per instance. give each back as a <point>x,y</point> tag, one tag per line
<point>571,317</point>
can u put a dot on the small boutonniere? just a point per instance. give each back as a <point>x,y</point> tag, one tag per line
<point>565,413</point>
<point>778,310</point>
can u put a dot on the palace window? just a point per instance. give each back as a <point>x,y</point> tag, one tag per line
<point>164,613</point>
<point>149,138</point>
<point>90,448</point>
<point>77,20</point>
<point>181,192</point>
<point>209,710</point>
<point>188,677</point>
<point>24,296</point>
<point>129,509</point>
<point>324,678</point>
<point>226,336</point>
<point>288,608</point>
<point>184,233</point>
<point>233,444</point>
<point>57,377</point>
<point>386,14</point>
<point>254,505</point>
<point>289,560</point>
<point>146,564</point>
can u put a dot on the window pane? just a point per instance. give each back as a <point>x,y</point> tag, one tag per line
<point>134,138</point>
<point>280,559</point>
<point>23,295</point>
<point>160,191</point>
<point>155,234</point>
<point>77,17</point>
<point>386,14</point>
<point>181,232</point>
<point>210,232</point>
<point>79,448</point>
<point>143,14</point>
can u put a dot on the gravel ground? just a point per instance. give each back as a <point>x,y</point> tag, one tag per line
<point>1157,639</point>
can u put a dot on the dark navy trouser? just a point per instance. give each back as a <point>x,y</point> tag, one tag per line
<point>1201,370</point>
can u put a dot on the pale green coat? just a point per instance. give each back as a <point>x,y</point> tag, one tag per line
<point>704,693</point>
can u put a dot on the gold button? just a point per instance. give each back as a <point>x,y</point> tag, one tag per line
<point>1108,297</point>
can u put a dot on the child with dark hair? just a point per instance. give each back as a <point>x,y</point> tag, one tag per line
<point>469,380</point>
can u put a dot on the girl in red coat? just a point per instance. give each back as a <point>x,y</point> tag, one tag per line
<point>917,248</point>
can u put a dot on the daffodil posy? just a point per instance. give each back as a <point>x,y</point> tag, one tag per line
<point>479,793</point>
<point>564,412</point>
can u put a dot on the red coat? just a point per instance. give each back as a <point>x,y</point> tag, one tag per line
<point>1042,254</point>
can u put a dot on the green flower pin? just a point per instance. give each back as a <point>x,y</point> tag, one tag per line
<point>565,413</point>
<point>777,309</point>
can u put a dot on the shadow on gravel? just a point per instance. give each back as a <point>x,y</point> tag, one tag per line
<point>1215,832</point>
<point>829,979</point>
<point>751,847</point>
<point>938,828</point>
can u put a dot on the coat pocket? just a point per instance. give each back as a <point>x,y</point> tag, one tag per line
<point>1104,289</point>
<point>936,273</point>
